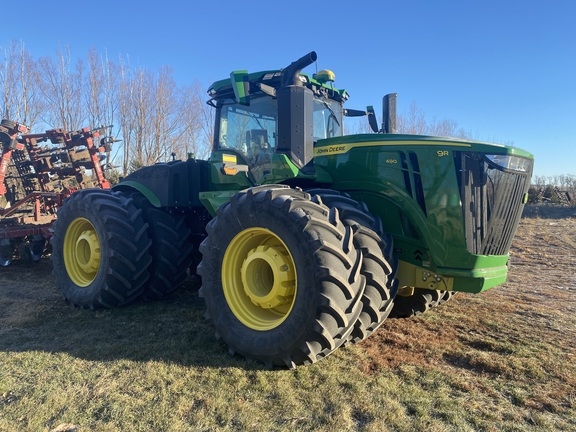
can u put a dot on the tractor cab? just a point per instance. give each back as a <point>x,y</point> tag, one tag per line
<point>270,120</point>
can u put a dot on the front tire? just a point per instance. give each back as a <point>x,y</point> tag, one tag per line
<point>280,276</point>
<point>378,263</point>
<point>100,249</point>
<point>420,302</point>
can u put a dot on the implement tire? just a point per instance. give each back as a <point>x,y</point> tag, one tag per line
<point>378,264</point>
<point>171,250</point>
<point>280,277</point>
<point>100,249</point>
<point>420,302</point>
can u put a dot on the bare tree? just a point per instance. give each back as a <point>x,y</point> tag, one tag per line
<point>61,88</point>
<point>415,123</point>
<point>94,87</point>
<point>141,117</point>
<point>155,119</point>
<point>21,99</point>
<point>199,120</point>
<point>31,103</point>
<point>167,116</point>
<point>191,123</point>
<point>8,79</point>
<point>101,95</point>
<point>159,119</point>
<point>125,112</point>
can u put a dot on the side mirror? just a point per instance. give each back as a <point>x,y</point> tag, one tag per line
<point>372,118</point>
<point>369,112</point>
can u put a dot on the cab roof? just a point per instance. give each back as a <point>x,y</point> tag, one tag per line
<point>273,78</point>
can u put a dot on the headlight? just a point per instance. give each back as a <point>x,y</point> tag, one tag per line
<point>509,162</point>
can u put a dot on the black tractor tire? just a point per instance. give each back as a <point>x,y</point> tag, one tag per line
<point>196,221</point>
<point>378,264</point>
<point>280,277</point>
<point>171,250</point>
<point>100,249</point>
<point>420,302</point>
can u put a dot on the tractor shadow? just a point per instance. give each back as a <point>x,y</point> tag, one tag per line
<point>35,317</point>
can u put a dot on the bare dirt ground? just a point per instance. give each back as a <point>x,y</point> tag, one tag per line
<point>521,336</point>
<point>539,296</point>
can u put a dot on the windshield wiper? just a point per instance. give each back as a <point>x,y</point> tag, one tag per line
<point>332,113</point>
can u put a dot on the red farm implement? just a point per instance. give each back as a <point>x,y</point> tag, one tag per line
<point>37,172</point>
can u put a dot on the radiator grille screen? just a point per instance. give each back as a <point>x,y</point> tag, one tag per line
<point>491,203</point>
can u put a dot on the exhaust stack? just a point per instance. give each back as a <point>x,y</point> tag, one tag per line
<point>389,113</point>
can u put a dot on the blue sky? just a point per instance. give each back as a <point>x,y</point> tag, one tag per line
<point>504,70</point>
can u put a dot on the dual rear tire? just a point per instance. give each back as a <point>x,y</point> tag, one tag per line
<point>101,249</point>
<point>111,248</point>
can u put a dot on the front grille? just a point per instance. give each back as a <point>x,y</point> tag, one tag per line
<point>491,203</point>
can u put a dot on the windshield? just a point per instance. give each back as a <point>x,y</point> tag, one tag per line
<point>327,118</point>
<point>250,130</point>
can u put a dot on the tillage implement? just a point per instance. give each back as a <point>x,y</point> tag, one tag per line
<point>37,172</point>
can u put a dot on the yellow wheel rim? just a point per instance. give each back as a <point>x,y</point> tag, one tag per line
<point>81,252</point>
<point>259,278</point>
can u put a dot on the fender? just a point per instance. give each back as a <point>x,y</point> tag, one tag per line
<point>171,184</point>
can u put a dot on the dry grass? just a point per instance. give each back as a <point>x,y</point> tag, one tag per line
<point>501,360</point>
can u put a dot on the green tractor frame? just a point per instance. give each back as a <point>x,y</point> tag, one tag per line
<point>305,239</point>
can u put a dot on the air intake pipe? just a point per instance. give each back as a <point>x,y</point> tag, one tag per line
<point>291,74</point>
<point>295,115</point>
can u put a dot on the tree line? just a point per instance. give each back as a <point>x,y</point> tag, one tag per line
<point>154,119</point>
<point>562,181</point>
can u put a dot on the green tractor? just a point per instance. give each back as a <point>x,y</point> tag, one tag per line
<point>309,238</point>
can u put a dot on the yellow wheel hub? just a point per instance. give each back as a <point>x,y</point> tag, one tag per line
<point>259,278</point>
<point>81,252</point>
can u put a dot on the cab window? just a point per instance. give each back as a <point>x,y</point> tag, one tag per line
<point>327,119</point>
<point>250,130</point>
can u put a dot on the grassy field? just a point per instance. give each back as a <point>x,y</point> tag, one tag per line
<point>501,360</point>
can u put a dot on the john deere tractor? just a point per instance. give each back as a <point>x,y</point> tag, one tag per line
<point>309,238</point>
